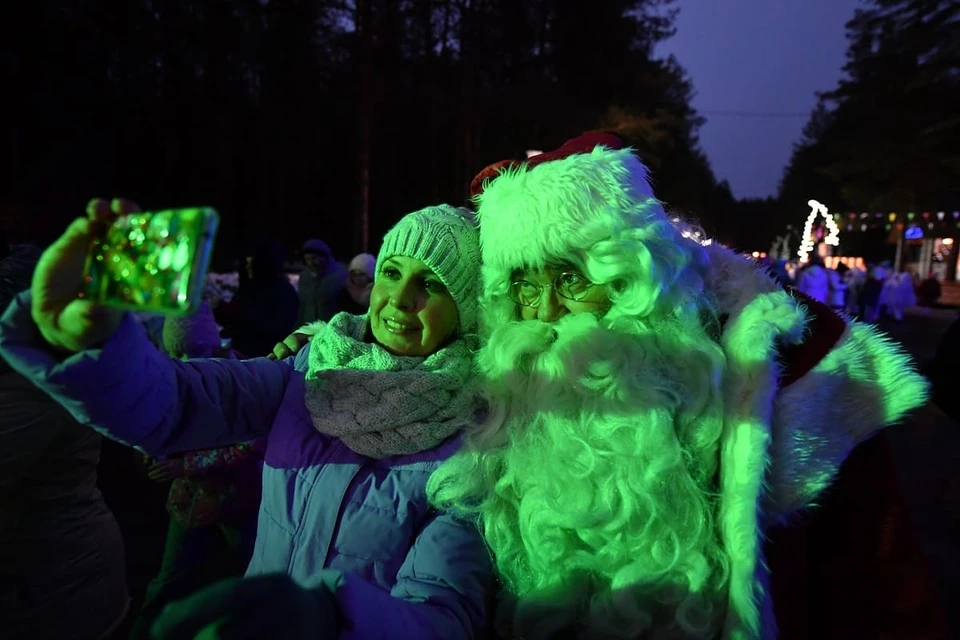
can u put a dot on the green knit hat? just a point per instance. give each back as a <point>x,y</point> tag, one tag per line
<point>445,239</point>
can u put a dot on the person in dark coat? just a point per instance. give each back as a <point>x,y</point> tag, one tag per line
<point>322,284</point>
<point>62,568</point>
<point>941,371</point>
<point>264,310</point>
<point>929,290</point>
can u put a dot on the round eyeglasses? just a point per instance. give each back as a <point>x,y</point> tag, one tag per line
<point>569,285</point>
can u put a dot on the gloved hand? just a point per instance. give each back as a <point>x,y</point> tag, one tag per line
<point>290,346</point>
<point>269,606</point>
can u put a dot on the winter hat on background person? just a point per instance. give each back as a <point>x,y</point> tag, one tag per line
<point>445,239</point>
<point>365,263</point>
<point>194,336</point>
<point>314,245</point>
<point>365,268</point>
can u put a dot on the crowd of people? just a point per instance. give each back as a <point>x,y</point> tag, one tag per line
<point>324,288</point>
<point>555,414</point>
<point>879,291</point>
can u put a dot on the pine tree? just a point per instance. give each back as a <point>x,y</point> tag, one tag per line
<point>892,137</point>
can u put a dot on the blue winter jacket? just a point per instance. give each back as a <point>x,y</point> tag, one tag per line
<point>330,518</point>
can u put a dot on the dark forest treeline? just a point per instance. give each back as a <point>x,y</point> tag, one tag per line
<point>294,116</point>
<point>887,138</point>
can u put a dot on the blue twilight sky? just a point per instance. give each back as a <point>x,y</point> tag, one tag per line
<point>758,57</point>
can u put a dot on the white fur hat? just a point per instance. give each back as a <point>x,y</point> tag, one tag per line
<point>584,192</point>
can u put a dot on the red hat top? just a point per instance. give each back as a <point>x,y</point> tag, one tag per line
<point>584,143</point>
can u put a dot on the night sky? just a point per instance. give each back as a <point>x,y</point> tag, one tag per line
<point>754,57</point>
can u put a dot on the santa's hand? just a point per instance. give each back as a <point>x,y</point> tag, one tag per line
<point>270,606</point>
<point>290,346</point>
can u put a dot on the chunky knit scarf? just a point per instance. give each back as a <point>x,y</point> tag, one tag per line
<point>382,405</point>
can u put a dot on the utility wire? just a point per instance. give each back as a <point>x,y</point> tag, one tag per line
<point>753,114</point>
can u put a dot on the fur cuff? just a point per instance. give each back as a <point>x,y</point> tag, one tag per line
<point>865,383</point>
<point>311,328</point>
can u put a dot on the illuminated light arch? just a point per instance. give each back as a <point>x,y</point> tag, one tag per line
<point>833,231</point>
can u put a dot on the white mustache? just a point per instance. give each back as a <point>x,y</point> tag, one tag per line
<point>524,344</point>
<point>581,361</point>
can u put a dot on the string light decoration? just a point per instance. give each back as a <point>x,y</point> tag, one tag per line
<point>833,231</point>
<point>849,220</point>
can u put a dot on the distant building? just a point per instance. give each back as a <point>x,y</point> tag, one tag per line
<point>921,243</point>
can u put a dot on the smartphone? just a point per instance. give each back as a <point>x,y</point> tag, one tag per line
<point>152,261</point>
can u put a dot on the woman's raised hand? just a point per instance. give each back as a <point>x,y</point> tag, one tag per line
<point>69,323</point>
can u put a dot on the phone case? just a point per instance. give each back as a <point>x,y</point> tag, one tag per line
<point>152,261</point>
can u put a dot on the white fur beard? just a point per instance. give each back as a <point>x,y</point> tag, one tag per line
<point>589,451</point>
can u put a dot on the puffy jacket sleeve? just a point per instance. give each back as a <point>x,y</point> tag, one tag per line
<point>133,393</point>
<point>441,590</point>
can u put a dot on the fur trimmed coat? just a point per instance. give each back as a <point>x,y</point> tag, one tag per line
<point>854,566</point>
<point>802,386</point>
<point>805,386</point>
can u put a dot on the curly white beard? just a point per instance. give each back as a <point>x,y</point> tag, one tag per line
<point>604,441</point>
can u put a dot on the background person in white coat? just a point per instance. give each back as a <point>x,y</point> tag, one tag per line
<point>814,281</point>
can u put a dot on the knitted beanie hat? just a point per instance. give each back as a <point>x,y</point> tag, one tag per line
<point>445,239</point>
<point>194,336</point>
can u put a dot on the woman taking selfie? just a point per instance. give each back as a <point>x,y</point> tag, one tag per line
<point>346,544</point>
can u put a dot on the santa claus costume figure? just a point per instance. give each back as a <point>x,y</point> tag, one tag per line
<point>656,405</point>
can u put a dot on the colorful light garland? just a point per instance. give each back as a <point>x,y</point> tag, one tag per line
<point>943,218</point>
<point>892,217</point>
